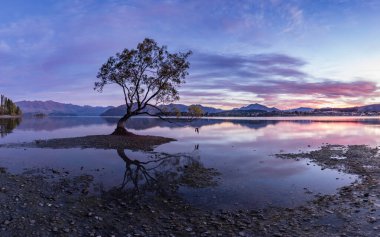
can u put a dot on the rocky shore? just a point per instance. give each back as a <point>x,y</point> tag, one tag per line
<point>51,203</point>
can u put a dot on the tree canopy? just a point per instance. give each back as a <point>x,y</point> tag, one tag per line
<point>7,107</point>
<point>195,111</point>
<point>149,76</point>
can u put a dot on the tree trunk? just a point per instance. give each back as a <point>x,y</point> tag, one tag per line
<point>120,128</point>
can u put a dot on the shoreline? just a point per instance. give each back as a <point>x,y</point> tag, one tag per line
<point>62,205</point>
<point>10,116</point>
<point>131,142</point>
<point>279,117</point>
<point>206,116</point>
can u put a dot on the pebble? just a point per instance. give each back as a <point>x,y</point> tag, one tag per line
<point>372,219</point>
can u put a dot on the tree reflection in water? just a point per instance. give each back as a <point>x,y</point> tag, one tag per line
<point>164,173</point>
<point>7,125</point>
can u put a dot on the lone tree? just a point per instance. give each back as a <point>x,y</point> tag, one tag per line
<point>149,77</point>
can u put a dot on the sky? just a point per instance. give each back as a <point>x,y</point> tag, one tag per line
<point>282,53</point>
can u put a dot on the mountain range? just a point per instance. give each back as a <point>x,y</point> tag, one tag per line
<point>120,110</point>
<point>257,107</point>
<point>53,108</point>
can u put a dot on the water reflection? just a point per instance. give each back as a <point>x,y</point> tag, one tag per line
<point>164,173</point>
<point>240,149</point>
<point>55,123</point>
<point>7,125</point>
<point>138,123</point>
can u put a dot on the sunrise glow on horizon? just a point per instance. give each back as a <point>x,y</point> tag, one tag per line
<point>284,54</point>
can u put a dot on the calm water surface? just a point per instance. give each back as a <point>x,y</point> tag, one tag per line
<point>240,149</point>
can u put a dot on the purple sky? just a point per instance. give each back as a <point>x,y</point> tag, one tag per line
<point>275,52</point>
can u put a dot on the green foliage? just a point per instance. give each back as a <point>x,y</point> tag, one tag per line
<point>195,111</point>
<point>7,107</point>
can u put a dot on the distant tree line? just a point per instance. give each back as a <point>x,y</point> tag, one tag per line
<point>7,107</point>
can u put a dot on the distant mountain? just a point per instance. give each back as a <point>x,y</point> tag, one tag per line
<point>257,107</point>
<point>174,107</point>
<point>120,110</point>
<point>359,109</point>
<point>300,109</point>
<point>341,110</point>
<point>370,108</point>
<point>185,108</point>
<point>53,108</point>
<point>59,109</point>
<point>115,111</point>
<point>240,113</point>
<point>210,110</point>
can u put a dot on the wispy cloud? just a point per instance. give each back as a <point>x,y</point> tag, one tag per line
<point>296,18</point>
<point>272,78</point>
<point>207,66</point>
<point>243,52</point>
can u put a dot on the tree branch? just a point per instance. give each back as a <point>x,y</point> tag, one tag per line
<point>156,115</point>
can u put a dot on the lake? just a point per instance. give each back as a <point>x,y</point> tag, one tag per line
<point>241,150</point>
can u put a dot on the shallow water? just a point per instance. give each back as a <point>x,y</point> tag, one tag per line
<point>240,149</point>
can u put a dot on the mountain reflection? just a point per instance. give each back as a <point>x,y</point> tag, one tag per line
<point>138,123</point>
<point>7,125</point>
<point>142,123</point>
<point>55,123</point>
